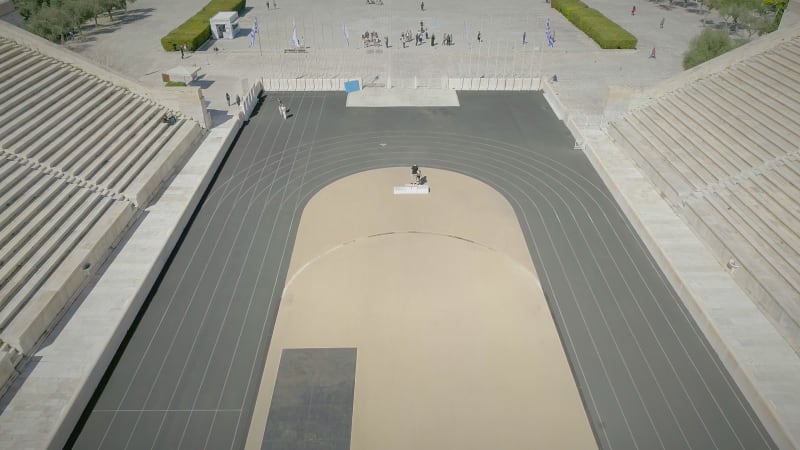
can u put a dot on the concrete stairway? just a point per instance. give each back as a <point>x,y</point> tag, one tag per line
<point>724,150</point>
<point>79,159</point>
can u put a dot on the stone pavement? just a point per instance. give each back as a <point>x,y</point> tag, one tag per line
<point>585,72</point>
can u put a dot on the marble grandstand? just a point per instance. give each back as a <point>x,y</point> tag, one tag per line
<point>722,144</point>
<point>81,157</point>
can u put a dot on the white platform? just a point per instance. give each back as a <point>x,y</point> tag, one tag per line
<point>413,189</point>
<point>398,97</point>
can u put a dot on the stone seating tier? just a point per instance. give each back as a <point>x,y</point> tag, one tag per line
<point>724,152</point>
<point>79,159</point>
<point>84,127</point>
<point>44,220</point>
<point>751,148</point>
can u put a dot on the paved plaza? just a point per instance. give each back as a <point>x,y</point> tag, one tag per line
<point>585,72</point>
<point>189,374</point>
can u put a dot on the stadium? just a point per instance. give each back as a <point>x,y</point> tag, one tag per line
<point>594,248</point>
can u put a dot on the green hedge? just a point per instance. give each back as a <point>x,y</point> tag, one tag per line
<point>195,31</point>
<point>597,26</point>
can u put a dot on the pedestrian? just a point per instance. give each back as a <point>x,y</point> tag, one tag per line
<point>661,25</point>
<point>238,100</point>
<point>181,52</point>
<point>479,36</point>
<point>633,10</point>
<point>433,39</point>
<point>386,38</point>
<point>524,37</point>
<point>267,5</point>
<point>426,35</point>
<point>274,4</point>
<point>228,98</point>
<point>653,53</point>
<point>422,6</point>
<point>282,109</point>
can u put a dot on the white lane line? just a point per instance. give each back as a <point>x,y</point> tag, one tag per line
<point>146,354</point>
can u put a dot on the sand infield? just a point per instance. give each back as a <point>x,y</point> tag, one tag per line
<point>456,345</point>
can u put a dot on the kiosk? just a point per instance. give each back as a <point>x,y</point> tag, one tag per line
<point>225,25</point>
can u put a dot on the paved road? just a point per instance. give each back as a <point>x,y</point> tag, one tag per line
<point>187,377</point>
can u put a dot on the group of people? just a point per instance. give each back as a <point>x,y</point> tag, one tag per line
<point>371,38</point>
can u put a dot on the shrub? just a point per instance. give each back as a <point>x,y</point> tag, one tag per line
<point>606,33</point>
<point>176,83</point>
<point>707,45</point>
<point>196,30</point>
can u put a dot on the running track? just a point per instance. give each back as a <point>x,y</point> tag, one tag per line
<point>187,376</point>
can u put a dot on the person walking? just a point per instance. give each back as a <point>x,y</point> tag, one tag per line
<point>433,39</point>
<point>282,109</point>
<point>182,53</point>
<point>661,25</point>
<point>479,36</point>
<point>422,6</point>
<point>653,53</point>
<point>633,10</point>
<point>238,100</point>
<point>274,4</point>
<point>524,37</point>
<point>228,98</point>
<point>267,5</point>
<point>386,39</point>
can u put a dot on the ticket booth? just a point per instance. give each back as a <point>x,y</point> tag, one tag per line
<point>225,25</point>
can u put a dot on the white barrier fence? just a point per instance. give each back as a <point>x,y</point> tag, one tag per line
<point>459,84</point>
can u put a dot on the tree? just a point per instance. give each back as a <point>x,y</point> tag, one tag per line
<point>27,8</point>
<point>109,6</point>
<point>50,22</point>
<point>738,11</point>
<point>708,44</point>
<point>124,4</point>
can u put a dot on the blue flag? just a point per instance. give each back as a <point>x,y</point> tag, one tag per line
<point>254,32</point>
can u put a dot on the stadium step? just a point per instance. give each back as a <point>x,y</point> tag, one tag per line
<point>156,135</point>
<point>34,122</point>
<point>25,69</point>
<point>752,148</point>
<point>75,160</point>
<point>18,100</point>
<point>10,55</point>
<point>715,157</point>
<point>154,170</point>
<point>761,111</point>
<point>71,125</point>
<point>36,244</point>
<point>56,280</point>
<point>670,181</point>
<point>118,151</point>
<point>64,151</point>
<point>673,147</point>
<point>59,120</point>
<point>20,207</point>
<point>22,92</point>
<point>782,104</point>
<point>749,249</point>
